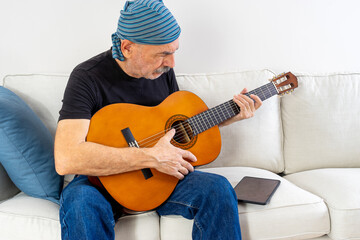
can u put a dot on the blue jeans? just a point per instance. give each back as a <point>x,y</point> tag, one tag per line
<point>209,199</point>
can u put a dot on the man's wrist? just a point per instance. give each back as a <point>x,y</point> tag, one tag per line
<point>148,158</point>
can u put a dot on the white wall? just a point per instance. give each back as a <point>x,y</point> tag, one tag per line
<point>48,36</point>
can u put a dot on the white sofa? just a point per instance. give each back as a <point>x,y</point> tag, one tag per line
<point>309,140</point>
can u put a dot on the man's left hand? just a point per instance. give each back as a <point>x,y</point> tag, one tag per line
<point>248,106</point>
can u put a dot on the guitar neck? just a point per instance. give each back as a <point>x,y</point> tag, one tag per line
<point>216,115</point>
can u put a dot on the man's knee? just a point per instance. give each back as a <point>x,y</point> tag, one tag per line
<point>216,186</point>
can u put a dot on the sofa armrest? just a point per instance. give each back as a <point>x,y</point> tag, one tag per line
<point>7,187</point>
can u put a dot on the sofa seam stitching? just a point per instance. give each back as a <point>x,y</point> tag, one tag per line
<point>294,205</point>
<point>28,216</point>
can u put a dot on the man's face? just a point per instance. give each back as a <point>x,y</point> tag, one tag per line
<point>150,61</point>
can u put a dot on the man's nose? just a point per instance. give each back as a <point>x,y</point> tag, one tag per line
<point>170,61</point>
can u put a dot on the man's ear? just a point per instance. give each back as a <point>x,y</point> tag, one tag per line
<point>127,48</point>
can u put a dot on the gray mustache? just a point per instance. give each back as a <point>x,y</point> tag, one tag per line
<point>162,70</point>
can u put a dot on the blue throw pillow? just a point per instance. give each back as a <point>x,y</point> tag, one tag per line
<point>27,149</point>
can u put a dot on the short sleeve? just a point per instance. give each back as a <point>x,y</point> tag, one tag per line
<point>80,97</point>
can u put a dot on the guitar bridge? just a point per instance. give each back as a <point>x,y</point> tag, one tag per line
<point>133,143</point>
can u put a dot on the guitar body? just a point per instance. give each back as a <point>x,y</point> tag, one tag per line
<point>147,125</point>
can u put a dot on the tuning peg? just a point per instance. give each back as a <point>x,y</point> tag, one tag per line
<point>289,91</point>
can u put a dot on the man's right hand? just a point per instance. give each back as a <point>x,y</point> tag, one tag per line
<point>170,159</point>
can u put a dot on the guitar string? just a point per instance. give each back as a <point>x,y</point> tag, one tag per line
<point>200,119</point>
<point>150,141</point>
<point>230,103</point>
<point>178,126</point>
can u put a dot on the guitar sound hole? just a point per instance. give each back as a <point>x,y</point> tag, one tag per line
<point>183,133</point>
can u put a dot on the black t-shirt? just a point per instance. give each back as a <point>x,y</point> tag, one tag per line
<point>100,81</point>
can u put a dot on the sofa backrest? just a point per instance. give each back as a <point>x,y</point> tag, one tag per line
<point>321,122</point>
<point>255,142</point>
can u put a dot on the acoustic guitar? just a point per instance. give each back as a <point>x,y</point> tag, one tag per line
<point>129,125</point>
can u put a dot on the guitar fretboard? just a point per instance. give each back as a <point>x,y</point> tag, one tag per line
<point>216,115</point>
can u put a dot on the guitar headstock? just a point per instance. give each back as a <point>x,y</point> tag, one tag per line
<point>285,83</point>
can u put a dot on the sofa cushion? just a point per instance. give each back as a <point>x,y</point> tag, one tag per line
<point>256,142</point>
<point>25,217</point>
<point>322,123</point>
<point>137,227</point>
<point>340,189</point>
<point>26,149</point>
<point>291,213</point>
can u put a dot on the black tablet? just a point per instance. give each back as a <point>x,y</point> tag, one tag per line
<point>256,190</point>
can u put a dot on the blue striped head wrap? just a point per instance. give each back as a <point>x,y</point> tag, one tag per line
<point>144,22</point>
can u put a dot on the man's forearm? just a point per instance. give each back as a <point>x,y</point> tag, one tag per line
<point>94,159</point>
